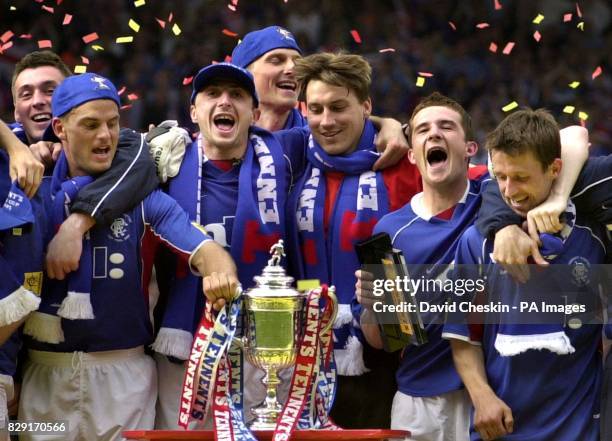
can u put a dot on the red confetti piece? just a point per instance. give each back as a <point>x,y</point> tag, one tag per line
<point>231,8</point>
<point>90,37</point>
<point>187,80</point>
<point>508,48</point>
<point>120,92</point>
<point>426,74</point>
<point>452,25</point>
<point>125,107</point>
<point>498,5</point>
<point>596,72</point>
<point>170,17</point>
<point>228,59</point>
<point>356,36</point>
<point>388,49</point>
<point>229,33</point>
<point>492,47</point>
<point>482,25</point>
<point>235,2</point>
<point>6,36</point>
<point>43,44</point>
<point>161,23</point>
<point>132,97</point>
<point>6,46</point>
<point>578,11</point>
<point>48,9</point>
<point>85,60</point>
<point>39,1</point>
<point>567,17</point>
<point>537,36</point>
<point>26,36</point>
<point>67,19</point>
<point>58,2</point>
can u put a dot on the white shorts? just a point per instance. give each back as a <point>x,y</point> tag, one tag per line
<point>443,417</point>
<point>98,394</point>
<point>171,376</point>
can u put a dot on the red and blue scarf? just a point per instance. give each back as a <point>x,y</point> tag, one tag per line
<point>361,201</point>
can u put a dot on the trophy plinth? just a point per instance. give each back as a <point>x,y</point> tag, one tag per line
<point>273,332</point>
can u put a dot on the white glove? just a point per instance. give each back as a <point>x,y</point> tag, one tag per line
<point>167,143</point>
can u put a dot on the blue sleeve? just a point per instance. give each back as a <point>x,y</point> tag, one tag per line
<point>170,222</point>
<point>494,213</point>
<point>294,143</point>
<point>592,193</point>
<point>130,179</point>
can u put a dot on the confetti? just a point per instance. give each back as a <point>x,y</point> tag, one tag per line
<point>583,116</point>
<point>187,80</point>
<point>176,30</point>
<point>569,109</point>
<point>26,36</point>
<point>578,11</point>
<point>48,9</point>
<point>84,59</point>
<point>90,37</point>
<point>482,25</point>
<point>388,49</point>
<point>127,39</point>
<point>231,8</point>
<point>58,2</point>
<point>492,47</point>
<point>132,97</point>
<point>67,19</point>
<point>120,92</point>
<point>170,16</point>
<point>229,33</point>
<point>6,36</point>
<point>79,69</point>
<point>508,48</point>
<point>498,5</point>
<point>596,72</point>
<point>97,47</point>
<point>228,59</point>
<point>537,36</point>
<point>509,107</point>
<point>356,36</point>
<point>452,25</point>
<point>420,82</point>
<point>580,26</point>
<point>139,3</point>
<point>13,8</point>
<point>426,74</point>
<point>538,19</point>
<point>127,106</point>
<point>567,17</point>
<point>133,25</point>
<point>44,44</point>
<point>161,23</point>
<point>6,46</point>
<point>574,84</point>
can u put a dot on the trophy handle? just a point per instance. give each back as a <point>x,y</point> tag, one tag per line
<point>331,293</point>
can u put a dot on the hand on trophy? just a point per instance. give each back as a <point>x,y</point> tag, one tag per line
<point>364,289</point>
<point>220,289</point>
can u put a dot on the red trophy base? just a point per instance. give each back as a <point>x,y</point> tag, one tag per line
<point>266,435</point>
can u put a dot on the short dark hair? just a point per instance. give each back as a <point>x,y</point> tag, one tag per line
<point>437,99</point>
<point>343,70</point>
<point>527,130</point>
<point>39,59</point>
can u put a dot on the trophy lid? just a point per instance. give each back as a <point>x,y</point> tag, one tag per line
<point>273,280</point>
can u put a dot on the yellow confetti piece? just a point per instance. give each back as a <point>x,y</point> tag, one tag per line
<point>139,3</point>
<point>133,25</point>
<point>176,29</point>
<point>97,47</point>
<point>583,116</point>
<point>420,82</point>
<point>581,26</point>
<point>574,84</point>
<point>538,19</point>
<point>13,8</point>
<point>509,107</point>
<point>127,39</point>
<point>569,109</point>
<point>79,69</point>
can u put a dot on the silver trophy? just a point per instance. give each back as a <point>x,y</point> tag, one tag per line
<point>274,327</point>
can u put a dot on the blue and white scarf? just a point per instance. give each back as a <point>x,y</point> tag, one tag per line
<point>259,223</point>
<point>361,201</point>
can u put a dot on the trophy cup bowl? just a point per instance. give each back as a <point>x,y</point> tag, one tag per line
<point>273,331</point>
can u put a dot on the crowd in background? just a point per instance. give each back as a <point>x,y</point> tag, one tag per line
<point>400,38</point>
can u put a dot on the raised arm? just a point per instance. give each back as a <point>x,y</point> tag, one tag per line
<point>391,141</point>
